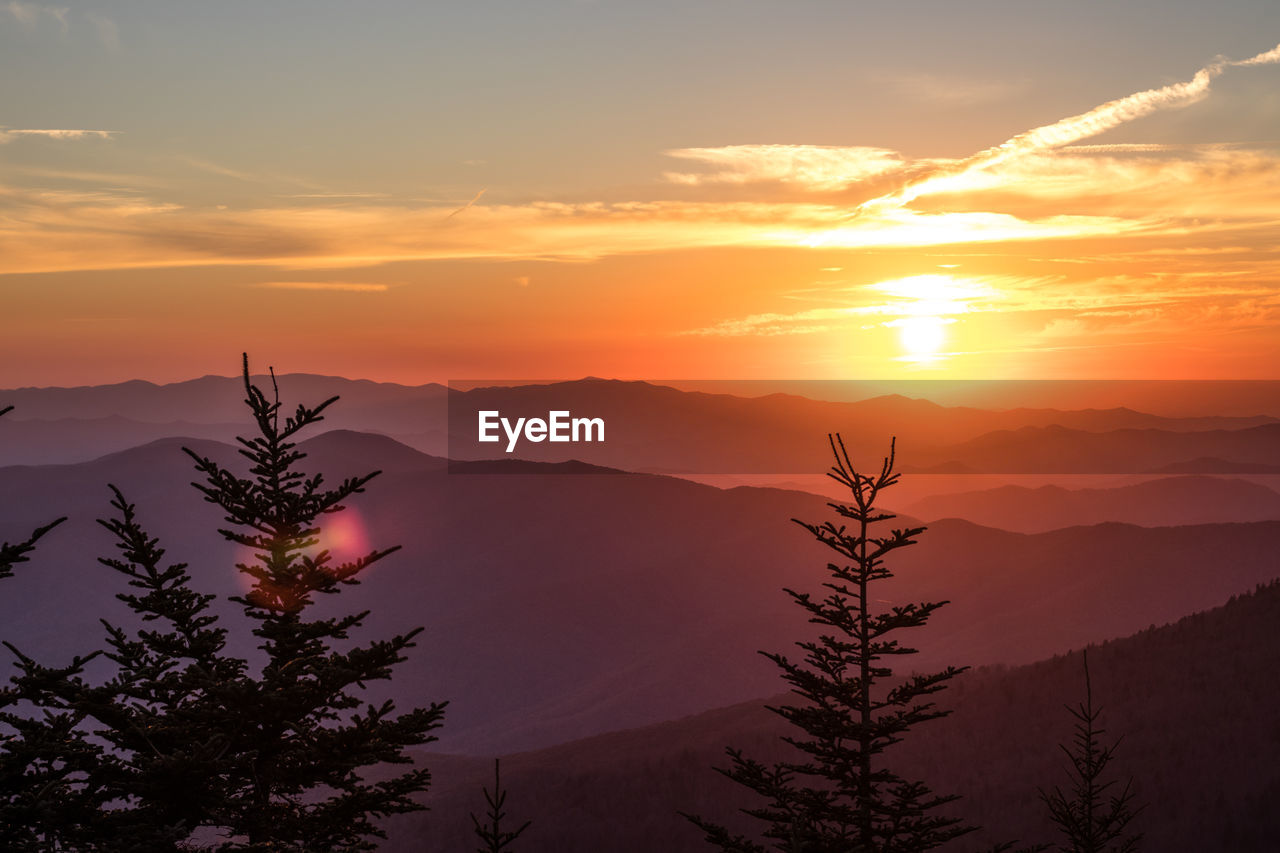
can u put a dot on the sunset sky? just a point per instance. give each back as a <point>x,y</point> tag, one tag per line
<point>417,192</point>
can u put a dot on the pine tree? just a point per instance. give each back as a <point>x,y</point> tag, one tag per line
<point>196,740</point>
<point>839,794</point>
<point>13,553</point>
<point>147,789</point>
<point>1091,819</point>
<point>45,760</point>
<point>492,836</point>
<point>308,734</point>
<point>42,755</point>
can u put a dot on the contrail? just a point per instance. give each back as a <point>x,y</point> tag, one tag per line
<point>1069,130</point>
<point>475,199</point>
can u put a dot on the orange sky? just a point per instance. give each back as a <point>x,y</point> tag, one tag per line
<point>1128,236</point>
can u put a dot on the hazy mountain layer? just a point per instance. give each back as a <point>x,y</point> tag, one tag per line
<point>558,605</point>
<point>1164,502</point>
<point>657,428</point>
<point>1194,703</point>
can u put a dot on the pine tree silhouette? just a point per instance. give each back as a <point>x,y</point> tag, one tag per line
<point>309,735</point>
<point>840,794</point>
<point>494,838</point>
<point>160,715</point>
<point>13,553</point>
<point>41,756</point>
<point>1090,818</point>
<point>267,760</point>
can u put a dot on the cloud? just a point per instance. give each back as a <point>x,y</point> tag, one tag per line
<point>11,134</point>
<point>947,90</point>
<point>1137,147</point>
<point>273,180</point>
<point>1270,57</point>
<point>1207,312</point>
<point>814,167</point>
<point>1072,306</point>
<point>216,169</point>
<point>1222,181</point>
<point>1072,129</point>
<point>87,177</point>
<point>30,14</point>
<point>826,168</point>
<point>105,30</point>
<point>888,303</point>
<point>808,322</point>
<point>332,286</point>
<point>469,204</point>
<point>336,195</point>
<point>63,230</point>
<point>1038,186</point>
<point>26,13</point>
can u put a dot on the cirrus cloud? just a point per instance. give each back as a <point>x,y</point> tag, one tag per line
<point>815,167</point>
<point>10,134</point>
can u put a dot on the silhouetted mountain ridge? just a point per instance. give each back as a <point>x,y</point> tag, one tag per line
<point>558,605</point>
<point>651,427</point>
<point>1163,502</point>
<point>1194,702</point>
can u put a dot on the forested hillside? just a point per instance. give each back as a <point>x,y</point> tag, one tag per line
<point>1195,703</point>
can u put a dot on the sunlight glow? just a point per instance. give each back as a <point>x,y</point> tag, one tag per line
<point>922,338</point>
<point>933,295</point>
<point>926,305</point>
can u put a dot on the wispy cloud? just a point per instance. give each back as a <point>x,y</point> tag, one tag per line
<point>1143,147</point>
<point>815,167</point>
<point>1073,307</point>
<point>1270,57</point>
<point>469,204</point>
<point>1102,118</point>
<point>336,195</point>
<point>217,169</point>
<point>30,14</point>
<point>333,286</point>
<point>886,303</point>
<point>105,30</point>
<point>109,179</point>
<point>950,90</point>
<point>276,181</point>
<point>787,196</point>
<point>11,134</point>
<point>60,230</point>
<point>1229,181</point>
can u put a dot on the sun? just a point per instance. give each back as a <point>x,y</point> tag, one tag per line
<point>925,306</point>
<point>922,338</point>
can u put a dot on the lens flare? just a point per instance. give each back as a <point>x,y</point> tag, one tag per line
<point>343,535</point>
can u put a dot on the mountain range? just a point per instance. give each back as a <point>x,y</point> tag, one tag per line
<point>600,624</point>
<point>559,604</point>
<point>1192,705</point>
<point>660,429</point>
<point>1162,502</point>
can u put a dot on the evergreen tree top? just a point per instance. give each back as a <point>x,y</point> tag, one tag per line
<point>190,741</point>
<point>840,793</point>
